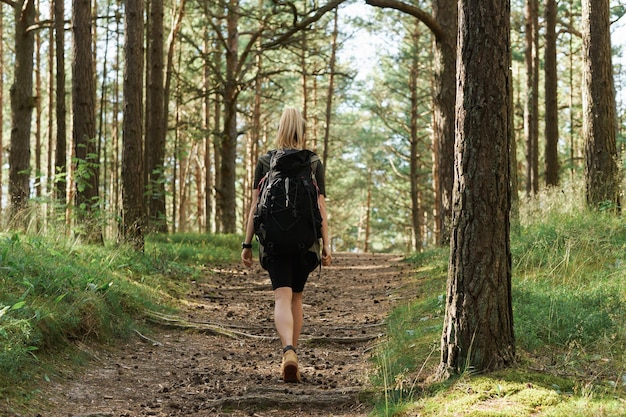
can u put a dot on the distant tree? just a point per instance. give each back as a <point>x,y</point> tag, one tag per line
<point>84,123</point>
<point>60,158</point>
<point>531,105</point>
<point>239,52</point>
<point>602,177</point>
<point>1,101</point>
<point>551,97</point>
<point>21,110</point>
<point>443,25</point>
<point>132,135</point>
<point>478,325</point>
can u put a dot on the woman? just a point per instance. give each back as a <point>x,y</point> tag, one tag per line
<point>288,273</point>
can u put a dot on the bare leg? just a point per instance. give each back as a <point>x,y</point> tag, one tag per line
<point>296,312</point>
<point>283,316</point>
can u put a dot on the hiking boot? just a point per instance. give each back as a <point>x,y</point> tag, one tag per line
<point>289,368</point>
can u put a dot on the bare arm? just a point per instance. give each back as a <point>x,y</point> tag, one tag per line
<point>246,254</point>
<point>326,255</point>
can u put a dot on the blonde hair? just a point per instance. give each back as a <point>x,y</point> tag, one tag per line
<point>291,130</point>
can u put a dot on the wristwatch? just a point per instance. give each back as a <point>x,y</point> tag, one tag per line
<point>245,245</point>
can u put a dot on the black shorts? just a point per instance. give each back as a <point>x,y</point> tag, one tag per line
<point>290,271</point>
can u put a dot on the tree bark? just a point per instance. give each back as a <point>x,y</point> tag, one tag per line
<point>228,149</point>
<point>602,177</point>
<point>478,326</point>
<point>132,135</point>
<point>60,158</point>
<point>21,112</point>
<point>1,109</point>
<point>445,13</point>
<point>84,124</point>
<point>531,103</point>
<point>155,122</point>
<point>551,97</point>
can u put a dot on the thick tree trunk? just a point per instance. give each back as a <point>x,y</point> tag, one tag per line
<point>154,154</point>
<point>132,155</point>
<point>21,111</point>
<point>478,326</point>
<point>551,98</point>
<point>599,119</point>
<point>84,123</point>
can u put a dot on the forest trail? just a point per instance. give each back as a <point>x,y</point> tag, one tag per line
<point>221,357</point>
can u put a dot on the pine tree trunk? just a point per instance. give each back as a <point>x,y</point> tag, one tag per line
<point>1,109</point>
<point>154,153</point>
<point>478,326</point>
<point>84,123</point>
<point>531,103</point>
<point>599,119</point>
<point>132,135</point>
<point>21,112</point>
<point>228,149</point>
<point>60,158</point>
<point>445,13</point>
<point>414,141</point>
<point>551,98</point>
<point>331,88</point>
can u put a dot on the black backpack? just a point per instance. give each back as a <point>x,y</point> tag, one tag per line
<point>287,220</point>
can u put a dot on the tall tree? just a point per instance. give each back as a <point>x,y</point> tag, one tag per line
<point>21,110</point>
<point>60,158</point>
<point>132,132</point>
<point>84,123</point>
<point>414,139</point>
<point>156,121</point>
<point>478,325</point>
<point>331,86</point>
<point>443,25</point>
<point>1,101</point>
<point>602,177</point>
<point>551,97</point>
<point>531,108</point>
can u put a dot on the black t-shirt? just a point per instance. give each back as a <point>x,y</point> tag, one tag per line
<point>263,164</point>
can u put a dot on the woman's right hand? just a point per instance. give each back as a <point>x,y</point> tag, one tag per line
<point>326,255</point>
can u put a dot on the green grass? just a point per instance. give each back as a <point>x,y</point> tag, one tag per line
<point>569,305</point>
<point>56,292</point>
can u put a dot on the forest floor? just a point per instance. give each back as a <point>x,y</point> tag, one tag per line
<point>219,356</point>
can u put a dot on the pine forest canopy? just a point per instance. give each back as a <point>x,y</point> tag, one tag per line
<point>149,116</point>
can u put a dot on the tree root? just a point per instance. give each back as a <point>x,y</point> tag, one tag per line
<point>217,330</point>
<point>285,398</point>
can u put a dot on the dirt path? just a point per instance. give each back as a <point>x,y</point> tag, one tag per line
<point>229,365</point>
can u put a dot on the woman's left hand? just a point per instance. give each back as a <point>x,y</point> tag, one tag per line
<point>246,257</point>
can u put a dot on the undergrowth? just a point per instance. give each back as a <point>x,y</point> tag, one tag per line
<point>57,292</point>
<point>569,305</point>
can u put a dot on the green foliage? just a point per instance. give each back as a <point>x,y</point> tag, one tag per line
<point>195,249</point>
<point>569,275</point>
<point>56,292</point>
